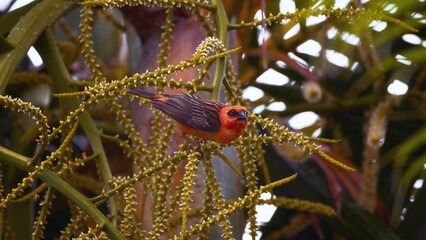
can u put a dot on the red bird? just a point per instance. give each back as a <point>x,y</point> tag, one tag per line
<point>209,120</point>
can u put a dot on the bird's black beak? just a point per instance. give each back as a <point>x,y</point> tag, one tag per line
<point>242,115</point>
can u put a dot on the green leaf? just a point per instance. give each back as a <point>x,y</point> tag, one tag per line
<point>5,45</point>
<point>11,18</point>
<point>24,33</point>
<point>414,224</point>
<point>358,224</point>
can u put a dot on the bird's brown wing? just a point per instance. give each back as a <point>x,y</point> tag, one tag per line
<point>193,111</point>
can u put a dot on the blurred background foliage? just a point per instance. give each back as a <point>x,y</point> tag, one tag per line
<point>358,80</point>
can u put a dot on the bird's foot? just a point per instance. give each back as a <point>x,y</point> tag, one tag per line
<point>194,143</point>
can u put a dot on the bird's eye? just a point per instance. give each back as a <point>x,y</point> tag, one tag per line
<point>233,113</point>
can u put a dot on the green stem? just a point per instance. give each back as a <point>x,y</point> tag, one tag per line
<point>43,213</point>
<point>228,88</point>
<point>38,154</point>
<point>55,66</point>
<point>25,32</point>
<point>138,177</point>
<point>236,26</point>
<point>221,21</point>
<point>52,179</point>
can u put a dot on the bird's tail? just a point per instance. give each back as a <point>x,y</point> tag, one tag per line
<point>141,93</point>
